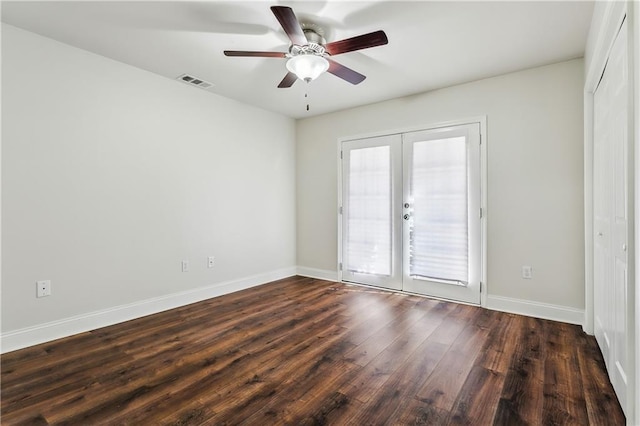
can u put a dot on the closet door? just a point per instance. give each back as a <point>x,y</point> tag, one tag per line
<point>602,207</point>
<point>611,216</point>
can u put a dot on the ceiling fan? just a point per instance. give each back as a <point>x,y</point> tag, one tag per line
<point>309,55</point>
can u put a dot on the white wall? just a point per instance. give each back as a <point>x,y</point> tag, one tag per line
<point>535,176</point>
<point>112,175</point>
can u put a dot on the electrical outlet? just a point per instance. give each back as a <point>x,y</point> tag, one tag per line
<point>43,288</point>
<point>210,261</point>
<point>527,272</point>
<point>185,266</point>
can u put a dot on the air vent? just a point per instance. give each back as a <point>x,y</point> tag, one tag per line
<point>195,81</point>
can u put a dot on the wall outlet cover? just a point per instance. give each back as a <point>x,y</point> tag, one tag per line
<point>43,288</point>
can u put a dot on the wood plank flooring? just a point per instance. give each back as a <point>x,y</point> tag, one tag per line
<point>301,351</point>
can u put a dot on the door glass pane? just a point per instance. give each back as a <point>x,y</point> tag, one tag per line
<point>369,215</point>
<point>438,233</point>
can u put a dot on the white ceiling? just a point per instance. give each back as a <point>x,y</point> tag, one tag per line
<point>431,44</point>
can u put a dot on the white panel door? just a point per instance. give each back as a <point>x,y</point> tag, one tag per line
<point>611,215</point>
<point>602,206</point>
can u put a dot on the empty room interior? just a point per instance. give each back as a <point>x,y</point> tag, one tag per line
<point>320,212</point>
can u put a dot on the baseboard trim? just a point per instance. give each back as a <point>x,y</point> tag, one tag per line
<point>42,333</point>
<point>320,274</point>
<point>496,303</point>
<point>536,309</point>
<point>30,336</point>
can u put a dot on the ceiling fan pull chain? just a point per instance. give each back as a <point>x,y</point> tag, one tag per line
<point>306,95</point>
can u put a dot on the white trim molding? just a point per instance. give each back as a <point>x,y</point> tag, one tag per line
<point>41,333</point>
<point>635,83</point>
<point>320,274</point>
<point>496,303</point>
<point>536,309</point>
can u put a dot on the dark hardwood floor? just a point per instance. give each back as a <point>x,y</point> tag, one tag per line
<point>307,352</point>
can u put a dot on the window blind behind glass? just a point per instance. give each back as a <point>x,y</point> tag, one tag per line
<point>369,212</point>
<point>439,225</point>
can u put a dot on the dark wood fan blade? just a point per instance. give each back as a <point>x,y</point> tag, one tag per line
<point>364,41</point>
<point>290,24</point>
<point>288,80</point>
<point>345,73</point>
<point>253,54</point>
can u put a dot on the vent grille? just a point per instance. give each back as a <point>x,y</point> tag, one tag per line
<point>195,81</point>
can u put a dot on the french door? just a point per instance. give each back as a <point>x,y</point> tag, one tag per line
<point>411,217</point>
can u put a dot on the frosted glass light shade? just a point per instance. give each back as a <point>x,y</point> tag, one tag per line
<point>307,67</point>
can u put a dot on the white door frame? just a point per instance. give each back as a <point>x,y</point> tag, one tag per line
<point>482,120</point>
<point>634,105</point>
<point>634,84</point>
<point>614,15</point>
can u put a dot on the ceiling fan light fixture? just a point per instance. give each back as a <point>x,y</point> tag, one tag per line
<point>307,67</point>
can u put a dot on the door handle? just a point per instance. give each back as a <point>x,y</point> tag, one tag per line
<point>406,205</point>
<point>406,217</point>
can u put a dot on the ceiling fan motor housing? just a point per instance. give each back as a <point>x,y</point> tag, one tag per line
<point>315,44</point>
<point>314,35</point>
<point>309,49</point>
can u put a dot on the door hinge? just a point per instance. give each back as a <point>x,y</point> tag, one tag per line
<point>340,210</point>
<point>480,138</point>
<point>480,212</point>
<point>341,155</point>
<point>480,286</point>
<point>340,266</point>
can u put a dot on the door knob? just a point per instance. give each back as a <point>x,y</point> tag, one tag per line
<point>406,205</point>
<point>406,217</point>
